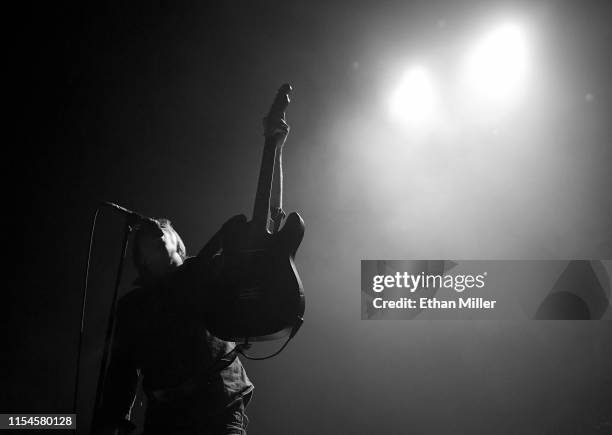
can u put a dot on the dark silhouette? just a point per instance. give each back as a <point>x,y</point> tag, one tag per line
<point>193,380</point>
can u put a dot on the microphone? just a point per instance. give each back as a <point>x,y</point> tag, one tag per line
<point>134,219</point>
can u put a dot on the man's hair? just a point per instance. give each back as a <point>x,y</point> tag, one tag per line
<point>136,250</point>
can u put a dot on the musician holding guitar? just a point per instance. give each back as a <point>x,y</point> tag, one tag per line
<point>177,328</point>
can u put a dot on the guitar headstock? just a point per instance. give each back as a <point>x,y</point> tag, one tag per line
<point>274,122</point>
<point>281,101</point>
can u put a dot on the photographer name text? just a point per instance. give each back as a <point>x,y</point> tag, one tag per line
<point>413,283</point>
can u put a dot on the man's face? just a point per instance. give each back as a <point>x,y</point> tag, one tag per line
<point>159,250</point>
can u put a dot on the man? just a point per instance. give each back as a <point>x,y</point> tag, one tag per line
<point>194,382</point>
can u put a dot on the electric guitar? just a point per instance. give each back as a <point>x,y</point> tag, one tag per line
<point>257,293</point>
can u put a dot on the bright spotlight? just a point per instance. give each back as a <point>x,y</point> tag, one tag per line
<point>497,66</point>
<point>413,100</point>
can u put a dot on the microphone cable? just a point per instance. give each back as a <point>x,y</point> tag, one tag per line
<point>83,302</point>
<point>129,226</point>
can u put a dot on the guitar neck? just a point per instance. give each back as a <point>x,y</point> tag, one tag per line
<point>264,185</point>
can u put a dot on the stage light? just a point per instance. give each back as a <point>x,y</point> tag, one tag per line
<point>497,66</point>
<point>413,100</point>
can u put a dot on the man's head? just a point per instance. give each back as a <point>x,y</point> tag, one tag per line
<point>158,250</point>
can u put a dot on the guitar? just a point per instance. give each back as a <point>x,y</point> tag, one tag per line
<point>257,293</point>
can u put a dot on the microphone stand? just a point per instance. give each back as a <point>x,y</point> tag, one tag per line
<point>110,328</point>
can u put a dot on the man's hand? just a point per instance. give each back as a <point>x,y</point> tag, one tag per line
<point>276,128</point>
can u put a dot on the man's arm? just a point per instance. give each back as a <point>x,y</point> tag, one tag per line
<point>276,197</point>
<point>279,129</point>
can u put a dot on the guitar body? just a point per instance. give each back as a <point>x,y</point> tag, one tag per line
<point>257,291</point>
